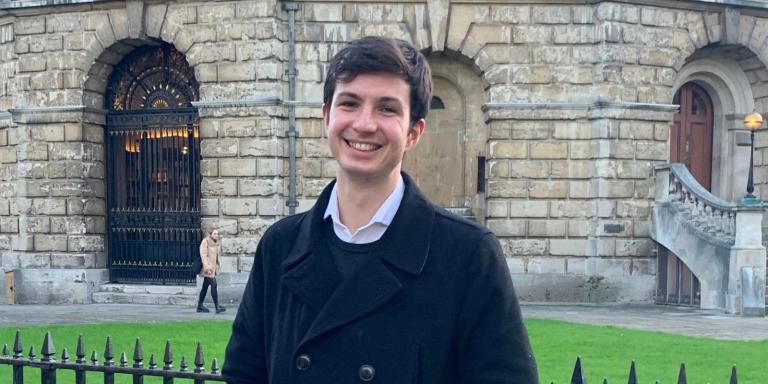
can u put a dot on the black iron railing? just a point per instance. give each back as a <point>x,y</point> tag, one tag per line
<point>49,365</point>
<point>578,375</point>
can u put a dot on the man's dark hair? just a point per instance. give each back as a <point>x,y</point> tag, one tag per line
<point>383,55</point>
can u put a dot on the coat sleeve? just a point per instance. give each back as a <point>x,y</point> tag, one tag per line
<point>245,357</point>
<point>204,254</point>
<point>493,343</point>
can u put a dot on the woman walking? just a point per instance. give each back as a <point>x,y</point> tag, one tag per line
<point>209,255</point>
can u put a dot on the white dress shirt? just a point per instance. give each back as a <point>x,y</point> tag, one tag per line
<point>378,224</point>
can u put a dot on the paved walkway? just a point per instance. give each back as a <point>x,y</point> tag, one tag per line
<point>684,321</point>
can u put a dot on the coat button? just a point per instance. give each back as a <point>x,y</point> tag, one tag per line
<point>303,362</point>
<point>366,372</point>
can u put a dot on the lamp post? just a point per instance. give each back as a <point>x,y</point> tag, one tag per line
<point>752,122</point>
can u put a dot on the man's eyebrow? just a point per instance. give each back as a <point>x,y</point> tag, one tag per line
<point>348,94</point>
<point>384,99</point>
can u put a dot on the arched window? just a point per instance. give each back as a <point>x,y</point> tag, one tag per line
<point>436,103</point>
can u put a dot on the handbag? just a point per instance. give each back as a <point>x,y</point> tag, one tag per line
<point>197,265</point>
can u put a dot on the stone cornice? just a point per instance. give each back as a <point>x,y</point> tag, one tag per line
<point>684,4</point>
<point>13,4</point>
<point>244,103</point>
<point>598,104</point>
<point>52,109</point>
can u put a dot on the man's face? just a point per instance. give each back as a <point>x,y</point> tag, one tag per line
<point>368,126</point>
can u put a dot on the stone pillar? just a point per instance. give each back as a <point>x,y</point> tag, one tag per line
<point>58,247</point>
<point>747,261</point>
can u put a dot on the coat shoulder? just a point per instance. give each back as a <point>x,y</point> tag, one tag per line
<point>467,230</point>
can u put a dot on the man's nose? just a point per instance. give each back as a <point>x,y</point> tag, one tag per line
<point>365,121</point>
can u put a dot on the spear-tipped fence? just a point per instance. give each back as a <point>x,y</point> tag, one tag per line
<point>578,375</point>
<point>48,365</point>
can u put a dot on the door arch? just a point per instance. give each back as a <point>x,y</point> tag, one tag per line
<point>153,168</point>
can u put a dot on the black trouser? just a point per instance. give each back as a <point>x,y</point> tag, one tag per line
<point>214,291</point>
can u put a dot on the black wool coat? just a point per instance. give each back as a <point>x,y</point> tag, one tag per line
<point>434,306</point>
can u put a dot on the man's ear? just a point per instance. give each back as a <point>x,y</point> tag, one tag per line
<point>414,134</point>
<point>326,117</point>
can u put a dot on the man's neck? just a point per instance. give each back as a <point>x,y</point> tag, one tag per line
<point>359,200</point>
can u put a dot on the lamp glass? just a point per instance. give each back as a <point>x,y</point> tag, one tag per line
<point>753,121</point>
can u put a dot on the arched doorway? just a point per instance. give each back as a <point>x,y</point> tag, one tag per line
<point>449,162</point>
<point>153,168</point>
<point>690,144</point>
<point>437,163</point>
<point>691,137</point>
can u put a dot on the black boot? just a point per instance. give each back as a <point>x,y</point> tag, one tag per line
<point>202,308</point>
<point>220,309</point>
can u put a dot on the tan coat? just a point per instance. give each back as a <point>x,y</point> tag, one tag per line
<point>209,254</point>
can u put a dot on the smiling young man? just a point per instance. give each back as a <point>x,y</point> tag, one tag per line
<point>375,283</point>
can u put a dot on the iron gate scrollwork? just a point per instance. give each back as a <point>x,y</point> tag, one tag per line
<point>153,156</point>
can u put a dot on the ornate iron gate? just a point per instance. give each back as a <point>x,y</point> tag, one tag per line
<point>153,159</point>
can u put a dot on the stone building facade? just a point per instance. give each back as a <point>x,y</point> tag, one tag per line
<point>553,115</point>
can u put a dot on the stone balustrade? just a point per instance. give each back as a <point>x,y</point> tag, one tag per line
<point>712,216</point>
<point>719,241</point>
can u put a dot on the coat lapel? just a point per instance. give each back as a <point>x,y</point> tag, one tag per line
<point>313,277</point>
<point>310,272</point>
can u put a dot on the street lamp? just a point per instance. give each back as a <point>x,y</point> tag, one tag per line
<point>752,122</point>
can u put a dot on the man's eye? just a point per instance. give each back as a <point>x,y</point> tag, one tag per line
<point>388,110</point>
<point>347,104</point>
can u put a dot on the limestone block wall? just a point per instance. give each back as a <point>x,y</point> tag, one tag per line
<point>576,109</point>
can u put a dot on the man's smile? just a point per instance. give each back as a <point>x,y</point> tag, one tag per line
<point>364,147</point>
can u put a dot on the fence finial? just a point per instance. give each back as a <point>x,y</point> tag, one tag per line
<point>32,352</point>
<point>734,379</point>
<point>152,361</point>
<point>48,350</point>
<point>108,355</point>
<point>632,374</point>
<point>138,355</point>
<point>168,356</point>
<point>215,366</point>
<point>94,357</point>
<point>578,375</point>
<point>605,380</point>
<point>5,350</point>
<point>65,355</point>
<point>183,364</point>
<point>199,360</point>
<point>681,379</point>
<point>18,350</point>
<point>123,360</point>
<point>80,350</point>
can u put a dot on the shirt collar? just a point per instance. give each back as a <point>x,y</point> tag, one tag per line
<point>384,215</point>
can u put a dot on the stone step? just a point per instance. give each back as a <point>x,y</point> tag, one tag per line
<point>188,300</point>
<point>230,287</point>
<point>149,289</point>
<point>146,294</point>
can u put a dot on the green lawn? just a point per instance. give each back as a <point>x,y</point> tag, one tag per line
<point>606,351</point>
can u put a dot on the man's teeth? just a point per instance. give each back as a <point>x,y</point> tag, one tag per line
<point>363,146</point>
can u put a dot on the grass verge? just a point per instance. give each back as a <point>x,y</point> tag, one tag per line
<point>606,352</point>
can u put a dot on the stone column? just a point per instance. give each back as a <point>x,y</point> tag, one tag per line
<point>746,272</point>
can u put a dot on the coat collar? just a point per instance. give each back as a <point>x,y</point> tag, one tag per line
<point>311,274</point>
<point>404,245</point>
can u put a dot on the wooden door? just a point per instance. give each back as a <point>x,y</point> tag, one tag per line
<point>691,137</point>
<point>437,162</point>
